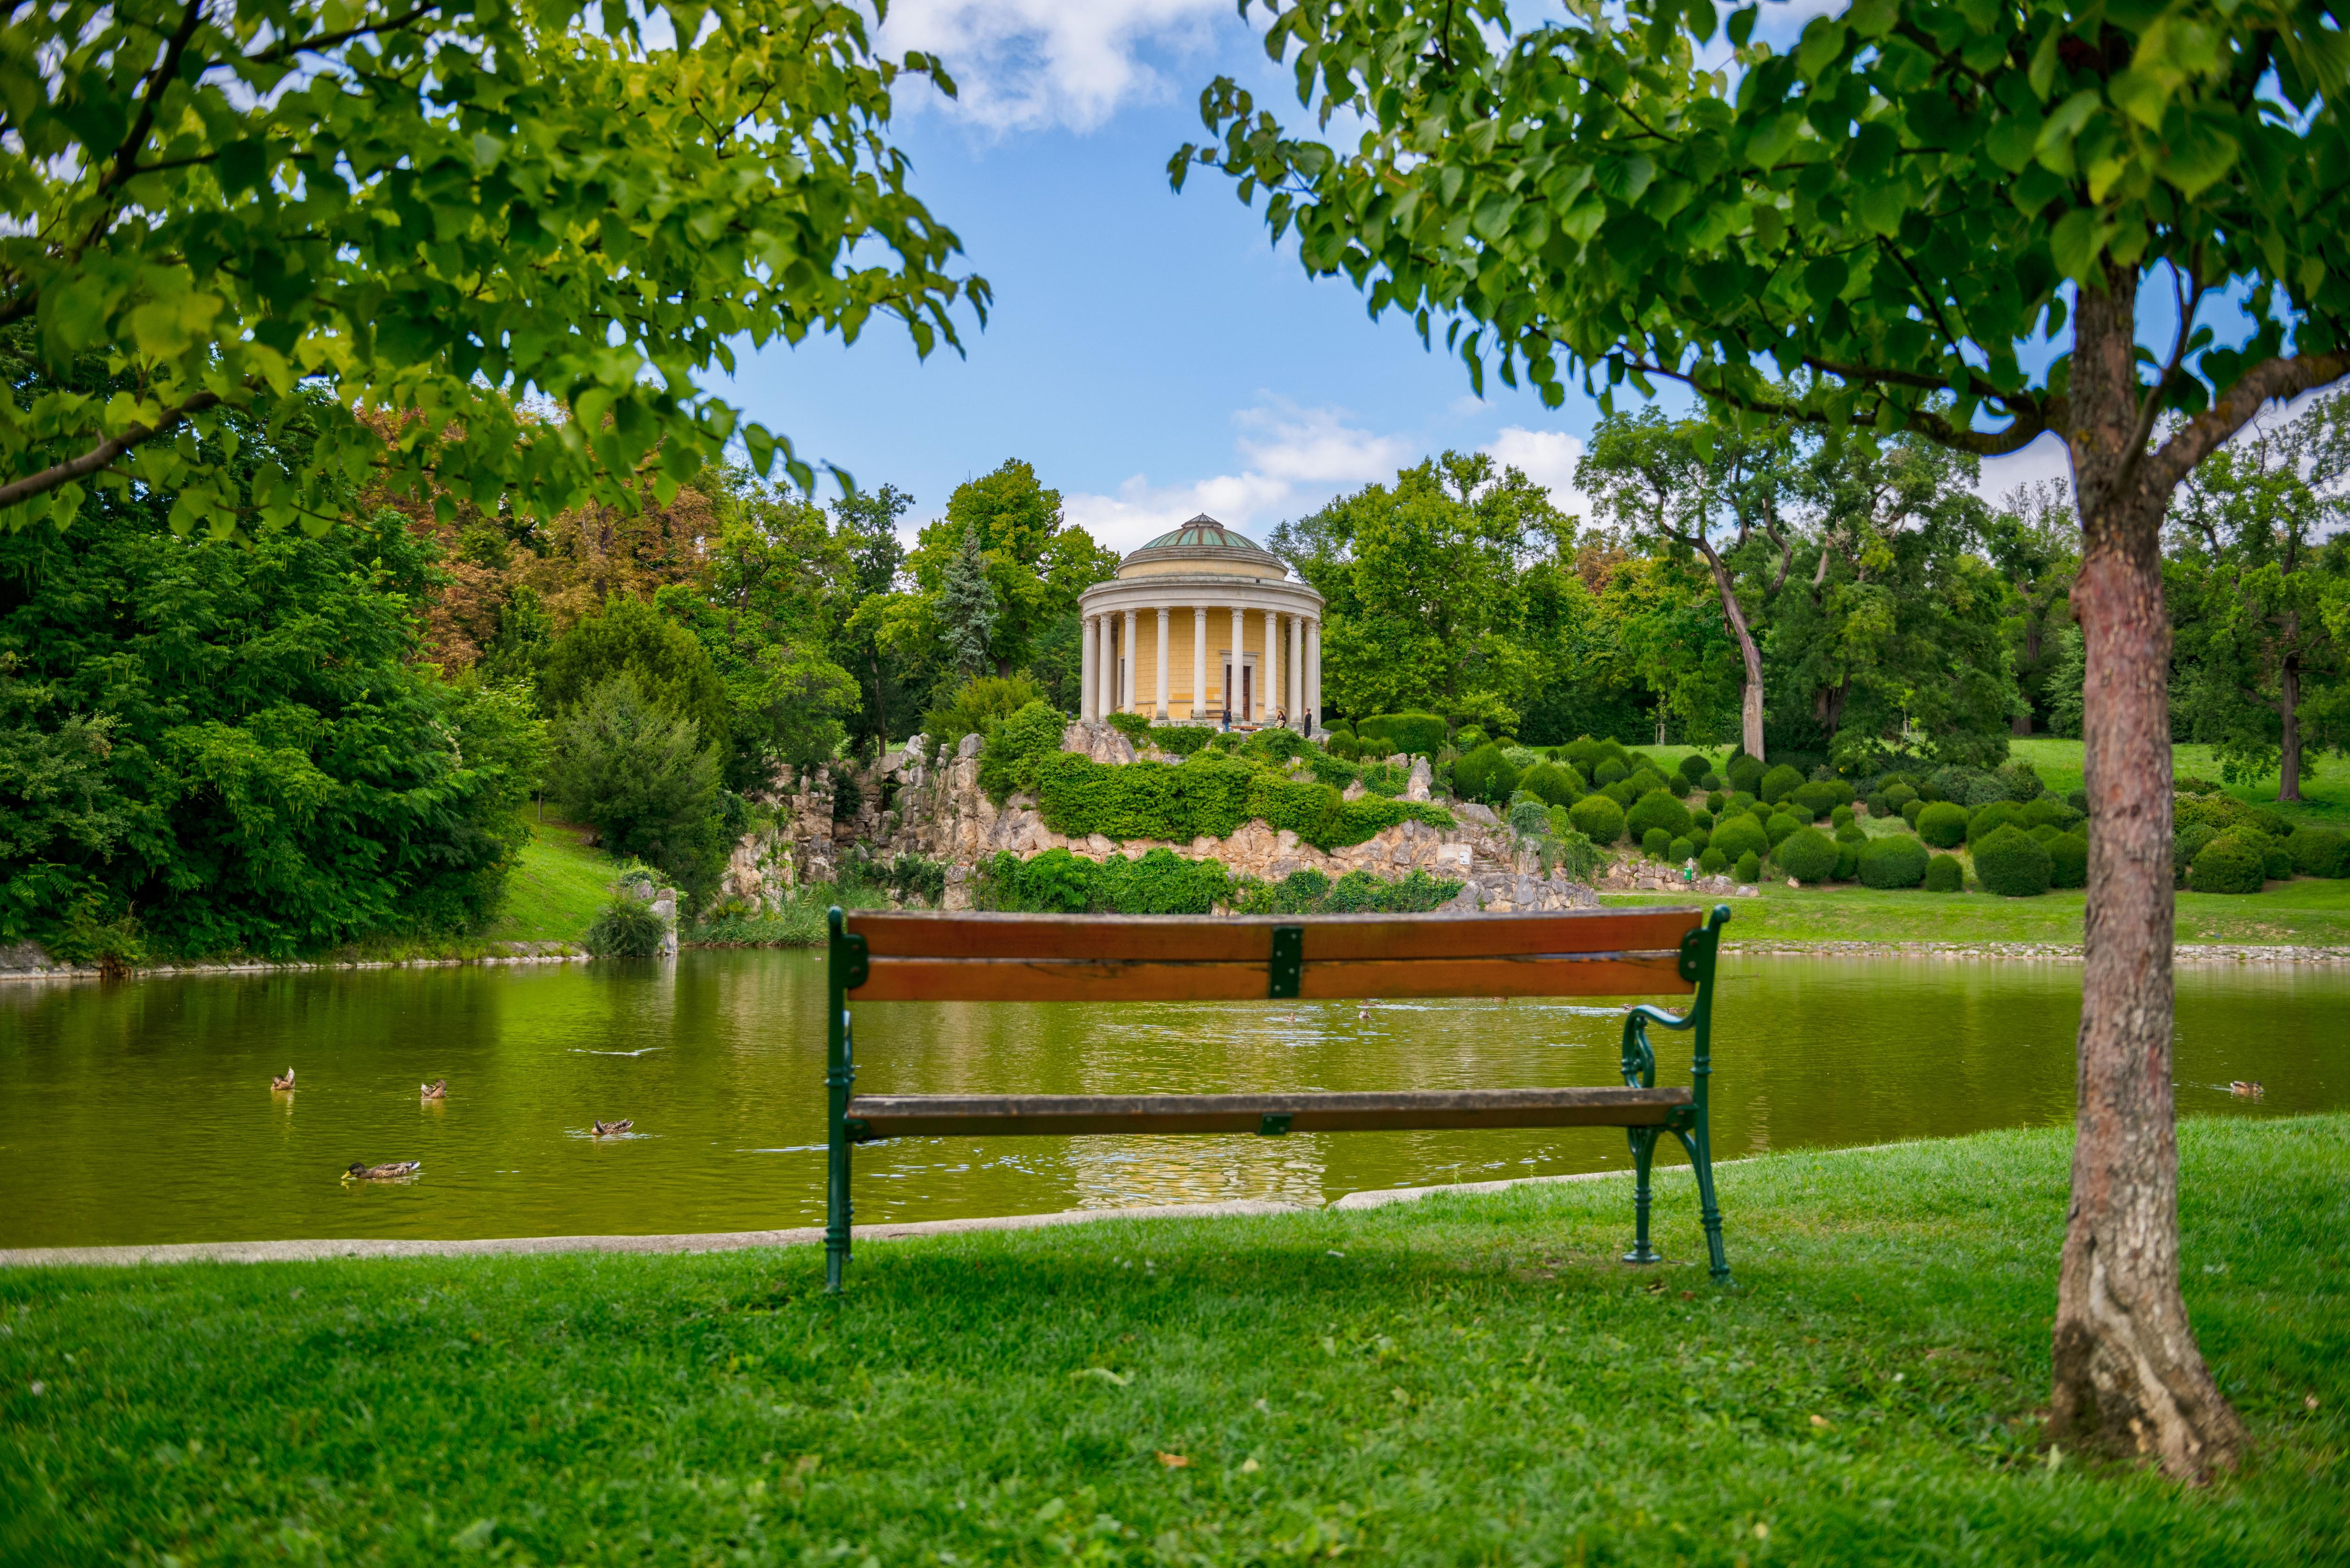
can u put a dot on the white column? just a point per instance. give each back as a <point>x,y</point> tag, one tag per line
<point>1297,685</point>
<point>1159,657</point>
<point>1199,663</point>
<point>1133,667</point>
<point>1314,672</point>
<point>1269,681</point>
<point>1088,670</point>
<point>1232,690</point>
<point>1104,667</point>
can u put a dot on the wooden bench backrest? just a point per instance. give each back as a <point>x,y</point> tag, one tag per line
<point>931,957</point>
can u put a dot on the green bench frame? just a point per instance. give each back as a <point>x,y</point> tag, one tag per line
<point>902,956</point>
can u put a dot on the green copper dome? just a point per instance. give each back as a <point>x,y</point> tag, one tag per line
<point>1205,530</point>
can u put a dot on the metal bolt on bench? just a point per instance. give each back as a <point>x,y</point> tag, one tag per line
<point>894,956</point>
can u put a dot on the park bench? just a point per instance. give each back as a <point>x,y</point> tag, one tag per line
<point>903,956</point>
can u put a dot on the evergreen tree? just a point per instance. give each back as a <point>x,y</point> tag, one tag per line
<point>968,608</point>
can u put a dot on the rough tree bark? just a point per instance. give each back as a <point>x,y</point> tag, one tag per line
<point>2128,1376</point>
<point>2289,712</point>
<point>1750,696</point>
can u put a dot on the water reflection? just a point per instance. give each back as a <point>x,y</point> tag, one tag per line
<point>143,1113</point>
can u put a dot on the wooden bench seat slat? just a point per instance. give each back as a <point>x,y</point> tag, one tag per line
<point>938,1116</point>
<point>1328,937</point>
<point>1079,980</point>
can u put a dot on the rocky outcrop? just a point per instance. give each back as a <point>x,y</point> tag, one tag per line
<point>1102,743</point>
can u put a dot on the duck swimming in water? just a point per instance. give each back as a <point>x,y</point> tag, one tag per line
<point>2243,1090</point>
<point>438,1089</point>
<point>395,1170</point>
<point>284,1086</point>
<point>611,1129</point>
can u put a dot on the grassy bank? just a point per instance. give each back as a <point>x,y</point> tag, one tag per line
<point>1465,1380</point>
<point>555,890</point>
<point>2305,913</point>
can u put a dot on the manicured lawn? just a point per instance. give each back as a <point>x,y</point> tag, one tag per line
<point>557,889</point>
<point>1469,1380</point>
<point>2325,797</point>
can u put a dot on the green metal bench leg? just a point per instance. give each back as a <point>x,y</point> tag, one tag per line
<point>1701,1155</point>
<point>1644,1149</point>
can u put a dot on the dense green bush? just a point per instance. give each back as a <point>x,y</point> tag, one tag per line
<point>1207,796</point>
<point>1357,892</point>
<point>1807,854</point>
<point>1485,775</point>
<point>1711,782</point>
<point>1896,796</point>
<point>1656,842</point>
<point>1942,825</point>
<point>2277,860</point>
<point>1745,773</point>
<point>2223,812</point>
<point>1713,862</point>
<point>1842,816</point>
<point>1818,798</point>
<point>2011,863</point>
<point>1657,809</point>
<point>1528,815</point>
<point>2319,852</point>
<point>2230,863</point>
<point>625,928</point>
<point>1623,792</point>
<point>1897,860</point>
<point>1610,771</point>
<point>644,776</point>
<point>1182,740</point>
<point>1700,834</point>
<point>1741,834</point>
<point>2186,843</point>
<point>2079,800</point>
<point>1847,866</point>
<point>1694,767</point>
<point>1469,737</point>
<point>1779,783</point>
<point>2047,811</point>
<point>1556,783</point>
<point>1419,734</point>
<point>1988,819</point>
<point>1342,743</point>
<point>1945,875</point>
<point>1057,882</point>
<point>1680,851</point>
<point>1750,868</point>
<point>1135,727</point>
<point>1015,746</point>
<point>1779,828</point>
<point>1911,810</point>
<point>1646,780</point>
<point>972,707</point>
<point>1598,818</point>
<point>2068,861</point>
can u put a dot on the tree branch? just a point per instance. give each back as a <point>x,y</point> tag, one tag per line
<point>104,452</point>
<point>2270,381</point>
<point>2026,426</point>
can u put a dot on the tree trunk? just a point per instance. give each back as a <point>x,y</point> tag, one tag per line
<point>2289,710</point>
<point>2022,723</point>
<point>2127,1374</point>
<point>1750,693</point>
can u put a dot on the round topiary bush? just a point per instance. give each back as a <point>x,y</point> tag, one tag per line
<point>2046,810</point>
<point>1748,868</point>
<point>1611,769</point>
<point>1878,805</point>
<point>1694,767</point>
<point>1897,795</point>
<point>625,928</point>
<point>2068,861</point>
<point>1807,854</point>
<point>1644,780</point>
<point>2320,852</point>
<point>1555,782</point>
<point>1485,775</point>
<point>1740,800</point>
<point>1852,833</point>
<point>1712,782</point>
<point>1658,808</point>
<point>1945,875</point>
<point>1943,824</point>
<point>1715,800</point>
<point>1655,843</point>
<point>1713,862</point>
<point>1779,783</point>
<point>1897,860</point>
<point>1912,810</point>
<point>2079,800</point>
<point>1842,816</point>
<point>1741,834</point>
<point>1700,834</point>
<point>1779,826</point>
<point>1986,820</point>
<point>1680,851</point>
<point>1818,798</point>
<point>1598,818</point>
<point>2011,863</point>
<point>1745,772</point>
<point>1469,737</point>
<point>2230,863</point>
<point>2186,843</point>
<point>2277,860</point>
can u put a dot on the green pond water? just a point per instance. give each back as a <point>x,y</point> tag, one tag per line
<point>142,1111</point>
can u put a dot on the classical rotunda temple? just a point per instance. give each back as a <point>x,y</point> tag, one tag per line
<point>1198,622</point>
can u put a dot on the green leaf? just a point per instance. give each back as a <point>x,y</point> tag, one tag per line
<point>2076,241</point>
<point>1822,41</point>
<point>2141,94</point>
<point>2010,143</point>
<point>2198,157</point>
<point>1882,207</point>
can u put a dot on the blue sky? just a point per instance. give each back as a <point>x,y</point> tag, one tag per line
<point>1153,354</point>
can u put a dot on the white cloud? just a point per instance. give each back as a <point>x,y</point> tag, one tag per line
<point>1295,459</point>
<point>1546,457</point>
<point>2044,458</point>
<point>1028,64</point>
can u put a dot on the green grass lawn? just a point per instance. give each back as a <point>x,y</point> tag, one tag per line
<point>555,890</point>
<point>1473,1379</point>
<point>2325,797</point>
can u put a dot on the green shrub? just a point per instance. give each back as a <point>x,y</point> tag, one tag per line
<point>2011,863</point>
<point>1419,735</point>
<point>1896,796</point>
<point>2186,843</point>
<point>1014,746</point>
<point>1609,770</point>
<point>1585,752</point>
<point>1912,810</point>
<point>625,928</point>
<point>2277,861</point>
<point>1988,819</point>
<point>1780,828</point>
<point>1745,773</point>
<point>1342,743</point>
<point>2079,800</point>
<point>2068,861</point>
<point>1819,797</point>
<point>1700,835</point>
<point>1183,739</point>
<point>1680,851</point>
<point>1779,783</point>
<point>1878,805</point>
<point>1715,800</point>
<point>1655,843</point>
<point>1485,775</point>
<point>2320,852</point>
<point>1741,834</point>
<point>1842,816</point>
<point>2046,834</point>
<point>978,704</point>
<point>1357,892</point>
<point>1897,861</point>
<point>1556,783</point>
<point>1657,809</point>
<point>1598,818</point>
<point>1847,866</point>
<point>1712,782</point>
<point>1713,862</point>
<point>2230,863</point>
<point>1852,833</point>
<point>1135,727</point>
<point>1694,767</point>
<point>1750,868</point>
<point>2047,811</point>
<point>1207,796</point>
<point>1807,854</point>
<point>1528,815</point>
<point>1469,737</point>
<point>1943,824</point>
<point>1740,800</point>
<point>1945,875</point>
<point>1646,780</point>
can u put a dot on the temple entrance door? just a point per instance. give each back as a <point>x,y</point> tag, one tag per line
<point>1240,694</point>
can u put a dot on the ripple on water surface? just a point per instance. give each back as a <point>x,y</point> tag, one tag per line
<point>142,1111</point>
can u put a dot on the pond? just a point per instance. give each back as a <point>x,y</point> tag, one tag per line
<point>142,1111</point>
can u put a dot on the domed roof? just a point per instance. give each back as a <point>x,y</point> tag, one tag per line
<point>1206,540</point>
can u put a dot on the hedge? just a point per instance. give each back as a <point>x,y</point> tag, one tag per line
<point>1945,875</point>
<point>1209,796</point>
<point>1422,734</point>
<point>1986,820</point>
<point>1485,775</point>
<point>1745,773</point>
<point>1750,868</point>
<point>1780,827</point>
<point>1897,861</point>
<point>1657,809</point>
<point>2068,861</point>
<point>1655,844</point>
<point>1598,818</point>
<point>1713,862</point>
<point>1741,834</point>
<point>1779,783</point>
<point>1357,892</point>
<point>1610,769</point>
<point>2230,863</point>
<point>1014,746</point>
<point>1695,767</point>
<point>2011,863</point>
<point>2320,852</point>
<point>2186,843</point>
<point>1556,783</point>
<point>1807,854</point>
<point>1943,824</point>
<point>1819,797</point>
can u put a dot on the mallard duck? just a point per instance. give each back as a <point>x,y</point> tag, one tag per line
<point>284,1086</point>
<point>609,1129</point>
<point>438,1089</point>
<point>394,1170</point>
<point>2247,1091</point>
